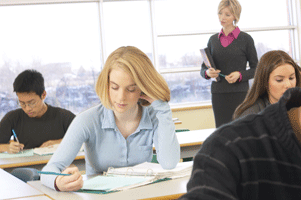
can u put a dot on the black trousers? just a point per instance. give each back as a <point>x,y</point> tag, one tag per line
<point>224,105</point>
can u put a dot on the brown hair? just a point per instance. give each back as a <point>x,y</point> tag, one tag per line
<point>267,63</point>
<point>140,68</point>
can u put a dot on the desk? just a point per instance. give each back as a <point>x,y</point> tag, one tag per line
<point>10,163</point>
<point>34,198</point>
<point>191,141</point>
<point>12,187</point>
<point>176,188</point>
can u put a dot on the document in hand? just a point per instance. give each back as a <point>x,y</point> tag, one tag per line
<point>208,60</point>
<point>117,179</point>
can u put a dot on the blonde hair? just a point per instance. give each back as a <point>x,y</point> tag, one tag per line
<point>234,7</point>
<point>140,68</point>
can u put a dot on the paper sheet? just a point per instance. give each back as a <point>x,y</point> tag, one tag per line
<point>24,153</point>
<point>107,183</point>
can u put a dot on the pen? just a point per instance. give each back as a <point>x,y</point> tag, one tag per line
<point>15,135</point>
<point>53,173</point>
<point>222,75</point>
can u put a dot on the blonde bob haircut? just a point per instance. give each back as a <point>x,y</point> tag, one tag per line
<point>140,68</point>
<point>234,7</point>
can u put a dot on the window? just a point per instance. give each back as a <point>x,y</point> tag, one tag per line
<point>62,41</point>
<point>69,41</point>
<point>187,27</point>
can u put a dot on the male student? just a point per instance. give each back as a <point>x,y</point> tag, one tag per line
<point>256,157</point>
<point>36,124</point>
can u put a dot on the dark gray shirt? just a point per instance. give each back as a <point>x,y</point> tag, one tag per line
<point>258,106</point>
<point>33,132</point>
<point>256,157</point>
<point>232,58</point>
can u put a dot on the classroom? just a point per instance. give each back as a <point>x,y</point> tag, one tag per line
<point>69,42</point>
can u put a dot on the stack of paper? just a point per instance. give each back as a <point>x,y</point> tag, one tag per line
<point>124,178</point>
<point>114,183</point>
<point>46,150</point>
<point>49,150</point>
<point>153,169</point>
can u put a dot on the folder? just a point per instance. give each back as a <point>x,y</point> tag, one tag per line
<point>208,60</point>
<point>124,178</point>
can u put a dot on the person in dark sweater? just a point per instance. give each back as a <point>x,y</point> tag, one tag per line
<point>36,123</point>
<point>275,73</point>
<point>231,49</point>
<point>255,157</point>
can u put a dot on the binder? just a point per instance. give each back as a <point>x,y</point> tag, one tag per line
<point>208,60</point>
<point>124,178</point>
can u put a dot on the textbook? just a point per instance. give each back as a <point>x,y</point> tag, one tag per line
<point>208,60</point>
<point>124,178</point>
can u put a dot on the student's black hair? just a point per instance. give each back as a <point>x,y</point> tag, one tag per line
<point>29,81</point>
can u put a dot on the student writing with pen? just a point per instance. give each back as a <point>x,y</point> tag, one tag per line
<point>133,115</point>
<point>231,50</point>
<point>36,124</point>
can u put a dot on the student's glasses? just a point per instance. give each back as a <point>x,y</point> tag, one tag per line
<point>30,105</point>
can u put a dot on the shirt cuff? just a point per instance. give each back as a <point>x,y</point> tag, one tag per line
<point>240,77</point>
<point>206,77</point>
<point>55,186</point>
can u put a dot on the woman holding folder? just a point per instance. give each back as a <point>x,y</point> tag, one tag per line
<point>230,49</point>
<point>133,115</point>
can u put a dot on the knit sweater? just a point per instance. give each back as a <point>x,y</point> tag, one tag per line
<point>256,157</point>
<point>232,58</point>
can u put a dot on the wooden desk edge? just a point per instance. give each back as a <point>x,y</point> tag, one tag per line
<point>168,197</point>
<point>38,162</point>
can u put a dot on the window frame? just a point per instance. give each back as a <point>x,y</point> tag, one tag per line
<point>295,29</point>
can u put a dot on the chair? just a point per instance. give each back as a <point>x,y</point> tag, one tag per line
<point>26,174</point>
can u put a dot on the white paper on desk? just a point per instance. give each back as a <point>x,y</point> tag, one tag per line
<point>154,169</point>
<point>112,183</point>
<point>24,153</point>
<point>49,150</point>
<point>46,150</point>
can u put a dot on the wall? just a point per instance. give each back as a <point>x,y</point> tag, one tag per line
<point>194,118</point>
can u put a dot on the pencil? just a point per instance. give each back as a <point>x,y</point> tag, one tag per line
<point>53,173</point>
<point>15,135</point>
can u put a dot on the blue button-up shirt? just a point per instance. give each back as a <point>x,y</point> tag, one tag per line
<point>106,147</point>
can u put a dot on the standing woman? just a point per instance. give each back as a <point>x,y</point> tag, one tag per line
<point>231,49</point>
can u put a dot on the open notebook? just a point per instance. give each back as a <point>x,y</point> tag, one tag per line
<point>117,179</point>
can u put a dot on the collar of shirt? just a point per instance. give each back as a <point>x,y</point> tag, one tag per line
<point>234,33</point>
<point>109,119</point>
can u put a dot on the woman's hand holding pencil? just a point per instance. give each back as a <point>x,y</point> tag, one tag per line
<point>73,182</point>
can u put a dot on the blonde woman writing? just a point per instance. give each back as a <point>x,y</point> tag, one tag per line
<point>121,130</point>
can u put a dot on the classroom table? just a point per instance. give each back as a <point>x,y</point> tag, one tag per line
<point>190,142</point>
<point>13,188</point>
<point>172,188</point>
<point>34,198</point>
<point>36,161</point>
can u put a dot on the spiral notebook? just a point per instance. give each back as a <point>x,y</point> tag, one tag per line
<point>118,179</point>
